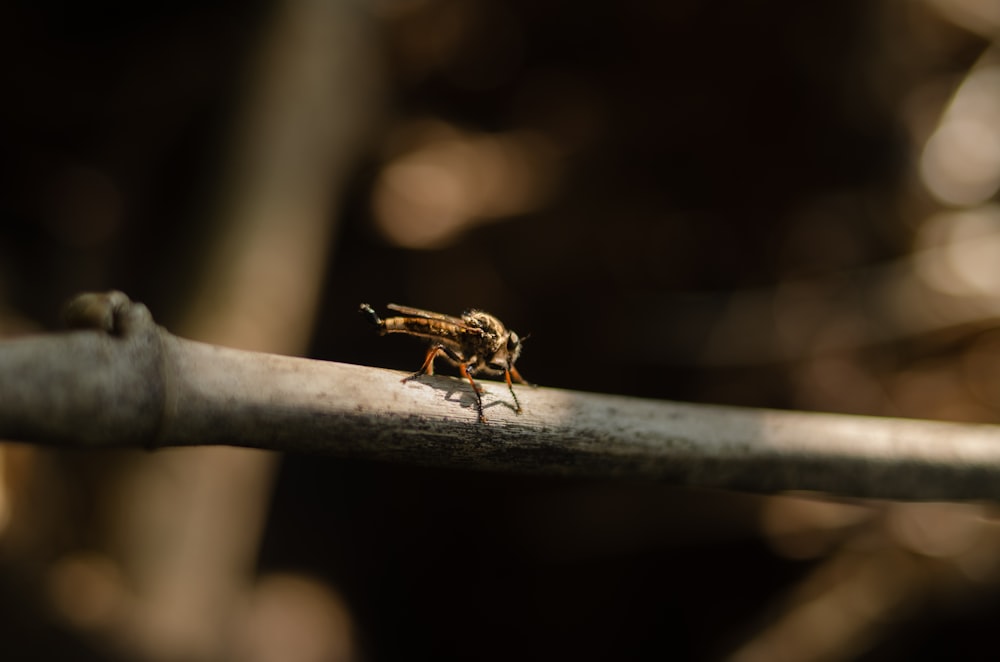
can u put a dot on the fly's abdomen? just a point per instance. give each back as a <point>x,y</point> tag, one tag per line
<point>425,328</point>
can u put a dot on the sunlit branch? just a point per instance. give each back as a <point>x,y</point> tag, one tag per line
<point>126,382</point>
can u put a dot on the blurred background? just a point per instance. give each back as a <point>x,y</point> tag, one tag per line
<point>776,204</point>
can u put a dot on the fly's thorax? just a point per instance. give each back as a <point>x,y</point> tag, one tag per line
<point>499,347</point>
<point>494,332</point>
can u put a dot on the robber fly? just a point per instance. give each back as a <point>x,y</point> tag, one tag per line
<point>476,342</point>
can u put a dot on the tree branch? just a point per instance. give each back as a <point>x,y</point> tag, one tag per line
<point>126,382</point>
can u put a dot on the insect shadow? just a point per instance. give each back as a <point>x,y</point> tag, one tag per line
<point>460,391</point>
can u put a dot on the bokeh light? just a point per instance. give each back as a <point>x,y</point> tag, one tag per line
<point>447,181</point>
<point>961,161</point>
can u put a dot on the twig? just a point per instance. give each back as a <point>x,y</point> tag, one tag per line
<point>130,383</point>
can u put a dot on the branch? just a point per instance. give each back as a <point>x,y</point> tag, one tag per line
<point>123,381</point>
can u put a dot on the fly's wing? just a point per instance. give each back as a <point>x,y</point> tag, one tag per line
<point>426,314</point>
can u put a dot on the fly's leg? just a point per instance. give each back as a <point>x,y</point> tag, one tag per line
<point>508,374</point>
<point>428,367</point>
<point>513,374</point>
<point>518,378</point>
<point>476,388</point>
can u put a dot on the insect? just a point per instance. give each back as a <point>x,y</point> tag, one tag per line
<point>476,342</point>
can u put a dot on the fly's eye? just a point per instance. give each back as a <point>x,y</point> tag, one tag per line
<point>512,341</point>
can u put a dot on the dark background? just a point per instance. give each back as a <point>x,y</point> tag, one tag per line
<point>697,158</point>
